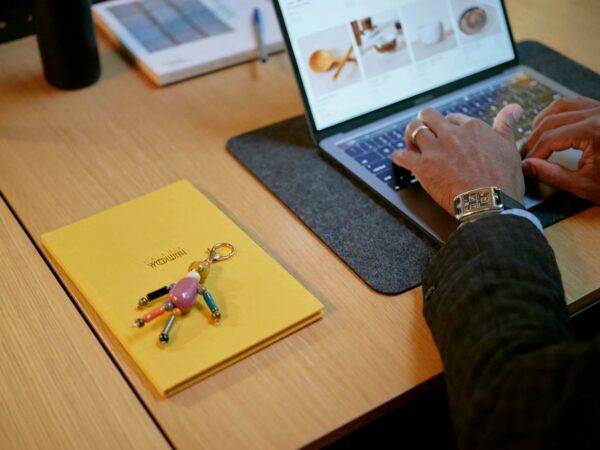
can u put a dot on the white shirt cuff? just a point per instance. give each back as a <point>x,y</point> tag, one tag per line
<point>526,215</point>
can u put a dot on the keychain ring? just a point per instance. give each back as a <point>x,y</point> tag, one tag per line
<point>216,256</point>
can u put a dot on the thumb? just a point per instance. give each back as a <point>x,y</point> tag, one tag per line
<point>506,119</point>
<point>552,174</point>
<point>406,159</point>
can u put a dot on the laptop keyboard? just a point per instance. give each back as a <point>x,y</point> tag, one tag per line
<point>374,149</point>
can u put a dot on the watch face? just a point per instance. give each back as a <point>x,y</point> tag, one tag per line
<point>475,201</point>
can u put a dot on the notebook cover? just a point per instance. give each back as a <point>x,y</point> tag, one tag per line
<point>118,255</point>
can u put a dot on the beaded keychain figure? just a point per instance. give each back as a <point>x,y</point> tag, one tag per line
<point>182,296</point>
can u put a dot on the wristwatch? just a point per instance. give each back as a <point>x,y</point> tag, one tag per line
<point>477,203</point>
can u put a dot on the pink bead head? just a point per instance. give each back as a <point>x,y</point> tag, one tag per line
<point>184,293</point>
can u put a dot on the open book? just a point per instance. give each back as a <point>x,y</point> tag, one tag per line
<point>171,40</point>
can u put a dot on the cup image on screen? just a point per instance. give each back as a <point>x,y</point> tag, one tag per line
<point>429,28</point>
<point>381,43</point>
<point>431,33</point>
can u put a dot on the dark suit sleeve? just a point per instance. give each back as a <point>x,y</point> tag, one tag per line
<point>516,378</point>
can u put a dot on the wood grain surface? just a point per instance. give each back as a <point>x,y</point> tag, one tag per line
<point>59,388</point>
<point>67,155</point>
<point>570,27</point>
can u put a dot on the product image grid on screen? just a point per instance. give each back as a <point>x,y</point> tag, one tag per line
<point>355,56</point>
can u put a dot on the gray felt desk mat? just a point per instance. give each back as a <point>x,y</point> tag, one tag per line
<point>384,250</point>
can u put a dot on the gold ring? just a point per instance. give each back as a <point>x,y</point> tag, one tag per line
<point>416,132</point>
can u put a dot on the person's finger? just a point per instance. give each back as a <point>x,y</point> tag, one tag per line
<point>458,118</point>
<point>506,120</point>
<point>553,175</point>
<point>425,138</point>
<point>434,120</point>
<point>554,121</point>
<point>561,138</point>
<point>564,105</point>
<point>408,159</point>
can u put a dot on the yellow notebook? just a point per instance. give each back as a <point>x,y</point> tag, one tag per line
<point>119,255</point>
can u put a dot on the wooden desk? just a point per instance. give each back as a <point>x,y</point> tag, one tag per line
<point>58,386</point>
<point>67,155</point>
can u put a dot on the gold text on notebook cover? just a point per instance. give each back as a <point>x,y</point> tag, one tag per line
<point>164,258</point>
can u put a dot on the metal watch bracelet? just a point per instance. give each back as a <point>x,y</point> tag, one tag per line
<point>478,203</point>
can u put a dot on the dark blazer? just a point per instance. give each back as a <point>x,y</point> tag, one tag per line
<point>516,378</point>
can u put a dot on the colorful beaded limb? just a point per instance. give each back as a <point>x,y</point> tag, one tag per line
<point>151,296</point>
<point>210,302</point>
<point>182,296</point>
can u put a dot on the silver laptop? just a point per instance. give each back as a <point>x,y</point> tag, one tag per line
<point>366,68</point>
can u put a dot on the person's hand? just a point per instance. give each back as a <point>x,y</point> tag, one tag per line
<point>459,153</point>
<point>566,123</point>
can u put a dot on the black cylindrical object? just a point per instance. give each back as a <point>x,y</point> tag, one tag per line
<point>67,42</point>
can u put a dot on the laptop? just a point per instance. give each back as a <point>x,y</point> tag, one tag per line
<point>366,68</point>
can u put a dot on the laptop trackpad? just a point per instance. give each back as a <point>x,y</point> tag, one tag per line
<point>535,192</point>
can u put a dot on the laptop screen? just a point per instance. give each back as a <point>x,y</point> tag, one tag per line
<point>357,56</point>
